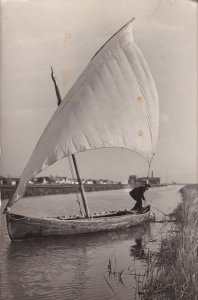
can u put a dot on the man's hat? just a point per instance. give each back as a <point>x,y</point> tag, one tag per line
<point>147,185</point>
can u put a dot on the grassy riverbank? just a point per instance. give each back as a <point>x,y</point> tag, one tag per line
<point>173,272</point>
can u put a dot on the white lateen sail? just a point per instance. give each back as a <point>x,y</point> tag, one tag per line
<point>113,103</point>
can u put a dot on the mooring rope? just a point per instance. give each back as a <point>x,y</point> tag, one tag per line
<point>148,175</point>
<point>159,210</point>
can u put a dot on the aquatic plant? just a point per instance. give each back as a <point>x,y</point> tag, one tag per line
<point>173,274</point>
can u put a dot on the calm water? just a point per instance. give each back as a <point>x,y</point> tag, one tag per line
<point>77,267</point>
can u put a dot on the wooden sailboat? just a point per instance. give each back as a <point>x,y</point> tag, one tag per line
<point>113,103</point>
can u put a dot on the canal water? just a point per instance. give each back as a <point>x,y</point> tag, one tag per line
<point>82,267</point>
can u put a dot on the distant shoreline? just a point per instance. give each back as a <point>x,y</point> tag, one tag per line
<point>32,190</point>
<point>55,189</point>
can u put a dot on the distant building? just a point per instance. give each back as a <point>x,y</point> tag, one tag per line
<point>134,181</point>
<point>3,180</point>
<point>47,180</point>
<point>12,181</point>
<point>154,181</point>
<point>89,181</point>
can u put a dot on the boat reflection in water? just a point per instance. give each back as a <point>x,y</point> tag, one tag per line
<point>69,268</point>
<point>78,241</point>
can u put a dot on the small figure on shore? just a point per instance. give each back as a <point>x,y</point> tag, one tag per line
<point>138,195</point>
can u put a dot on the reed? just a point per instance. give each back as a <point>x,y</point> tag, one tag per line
<point>174,273</point>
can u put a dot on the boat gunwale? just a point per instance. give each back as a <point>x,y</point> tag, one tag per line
<point>68,227</point>
<point>57,220</point>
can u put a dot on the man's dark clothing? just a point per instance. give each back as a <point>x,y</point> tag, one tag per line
<point>138,194</point>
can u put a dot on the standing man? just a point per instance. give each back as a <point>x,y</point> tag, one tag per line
<point>138,194</point>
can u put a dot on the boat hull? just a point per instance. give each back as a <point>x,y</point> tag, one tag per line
<point>22,227</point>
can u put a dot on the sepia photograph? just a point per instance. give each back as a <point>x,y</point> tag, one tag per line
<point>98,149</point>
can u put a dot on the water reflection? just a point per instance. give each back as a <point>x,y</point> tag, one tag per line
<point>138,250</point>
<point>74,267</point>
<point>78,241</point>
<point>63,268</point>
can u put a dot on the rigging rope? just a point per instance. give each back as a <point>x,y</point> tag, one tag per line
<point>149,167</point>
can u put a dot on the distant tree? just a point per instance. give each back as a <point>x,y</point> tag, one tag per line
<point>40,180</point>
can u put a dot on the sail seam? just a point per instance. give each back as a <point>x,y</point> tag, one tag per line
<point>143,93</point>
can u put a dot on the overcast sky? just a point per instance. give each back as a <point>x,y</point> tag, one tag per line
<point>36,34</point>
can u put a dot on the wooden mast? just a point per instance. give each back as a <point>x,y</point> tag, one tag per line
<point>81,187</point>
